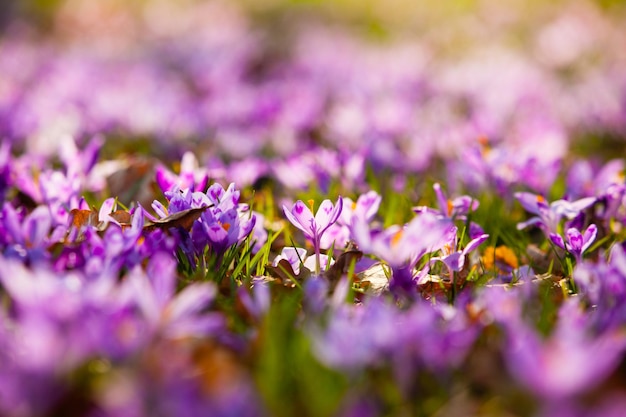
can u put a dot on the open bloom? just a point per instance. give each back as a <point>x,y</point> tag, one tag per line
<point>364,209</point>
<point>549,214</point>
<point>453,257</point>
<point>575,242</point>
<point>314,227</point>
<point>190,176</point>
<point>448,208</point>
<point>226,222</point>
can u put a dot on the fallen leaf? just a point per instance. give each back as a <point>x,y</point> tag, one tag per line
<point>183,219</point>
<point>342,265</point>
<point>82,218</point>
<point>375,279</point>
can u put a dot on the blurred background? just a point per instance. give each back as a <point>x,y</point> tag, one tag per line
<point>418,80</point>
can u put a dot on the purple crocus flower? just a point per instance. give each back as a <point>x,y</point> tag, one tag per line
<point>314,227</point>
<point>166,312</point>
<point>548,215</point>
<point>453,258</point>
<point>452,209</point>
<point>190,176</point>
<point>25,237</point>
<point>402,247</point>
<point>223,230</point>
<point>568,362</point>
<point>575,242</point>
<point>364,209</point>
<point>225,223</point>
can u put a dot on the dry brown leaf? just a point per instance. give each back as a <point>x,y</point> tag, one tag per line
<point>82,218</point>
<point>183,219</point>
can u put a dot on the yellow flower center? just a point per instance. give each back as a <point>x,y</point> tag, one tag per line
<point>396,238</point>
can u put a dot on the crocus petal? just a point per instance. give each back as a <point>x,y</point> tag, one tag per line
<point>474,243</point>
<point>463,205</point>
<point>327,214</point>
<point>533,221</point>
<point>107,207</point>
<point>589,236</point>
<point>162,272</point>
<point>442,200</point>
<point>165,179</point>
<point>37,225</point>
<point>159,209</point>
<point>301,217</point>
<point>191,300</point>
<point>215,193</point>
<point>530,202</point>
<point>575,239</point>
<point>369,203</point>
<point>571,209</point>
<point>293,255</point>
<point>557,240</point>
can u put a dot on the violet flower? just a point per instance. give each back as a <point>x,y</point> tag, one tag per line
<point>364,209</point>
<point>570,361</point>
<point>575,242</point>
<point>314,227</point>
<point>190,176</point>
<point>25,237</point>
<point>402,247</point>
<point>455,209</point>
<point>548,215</point>
<point>170,314</point>
<point>453,258</point>
<point>225,223</point>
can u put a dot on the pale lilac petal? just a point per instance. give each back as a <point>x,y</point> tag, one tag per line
<point>442,200</point>
<point>107,207</point>
<point>324,214</point>
<point>192,300</point>
<point>367,205</point>
<point>589,236</point>
<point>301,217</point>
<point>327,215</point>
<point>474,243</point>
<point>572,209</point>
<point>325,262</point>
<point>533,221</point>
<point>349,209</point>
<point>159,209</point>
<point>162,273</point>
<point>530,202</point>
<point>294,256</point>
<point>143,294</point>
<point>360,232</point>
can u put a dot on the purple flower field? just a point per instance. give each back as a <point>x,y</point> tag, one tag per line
<point>311,208</point>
